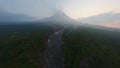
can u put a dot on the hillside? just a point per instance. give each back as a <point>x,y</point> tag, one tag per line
<point>87,47</point>
<point>8,17</point>
<point>22,46</point>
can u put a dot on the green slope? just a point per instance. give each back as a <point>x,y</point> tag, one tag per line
<point>23,46</point>
<point>86,47</point>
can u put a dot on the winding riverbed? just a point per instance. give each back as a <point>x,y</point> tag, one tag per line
<point>54,57</point>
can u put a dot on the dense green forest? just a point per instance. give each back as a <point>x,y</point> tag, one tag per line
<point>86,47</point>
<point>22,46</point>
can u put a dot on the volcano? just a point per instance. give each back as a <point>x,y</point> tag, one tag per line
<point>59,17</point>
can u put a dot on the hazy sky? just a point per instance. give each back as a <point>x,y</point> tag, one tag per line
<point>73,8</point>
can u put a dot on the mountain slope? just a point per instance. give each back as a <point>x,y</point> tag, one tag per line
<point>11,17</point>
<point>58,17</point>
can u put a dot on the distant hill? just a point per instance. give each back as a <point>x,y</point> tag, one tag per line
<point>106,19</point>
<point>11,17</point>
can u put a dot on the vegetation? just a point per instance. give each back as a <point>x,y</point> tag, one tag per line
<point>22,46</point>
<point>86,47</point>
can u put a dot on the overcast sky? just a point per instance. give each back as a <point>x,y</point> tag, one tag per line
<point>73,8</point>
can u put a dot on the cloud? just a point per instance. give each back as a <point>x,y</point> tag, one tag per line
<point>74,8</point>
<point>113,25</point>
<point>107,19</point>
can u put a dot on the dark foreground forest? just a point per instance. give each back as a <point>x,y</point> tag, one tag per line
<point>23,46</point>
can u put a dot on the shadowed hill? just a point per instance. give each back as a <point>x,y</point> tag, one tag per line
<point>7,17</point>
